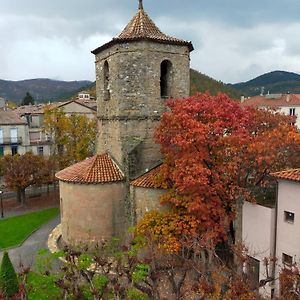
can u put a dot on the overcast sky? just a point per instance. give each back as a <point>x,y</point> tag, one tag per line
<point>234,40</point>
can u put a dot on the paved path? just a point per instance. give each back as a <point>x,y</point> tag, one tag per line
<point>28,250</point>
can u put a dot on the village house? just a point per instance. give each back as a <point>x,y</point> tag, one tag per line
<point>274,232</point>
<point>14,137</point>
<point>40,143</point>
<point>289,104</point>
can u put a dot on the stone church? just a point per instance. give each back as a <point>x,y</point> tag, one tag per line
<point>135,73</point>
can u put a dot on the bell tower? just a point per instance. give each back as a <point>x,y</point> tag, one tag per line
<point>135,73</point>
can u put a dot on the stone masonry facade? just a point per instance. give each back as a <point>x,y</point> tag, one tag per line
<point>128,119</point>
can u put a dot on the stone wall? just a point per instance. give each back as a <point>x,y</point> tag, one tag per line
<point>91,212</point>
<point>127,121</point>
<point>145,200</point>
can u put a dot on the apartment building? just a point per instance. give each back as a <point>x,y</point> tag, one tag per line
<point>14,135</point>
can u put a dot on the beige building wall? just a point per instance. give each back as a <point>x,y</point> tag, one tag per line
<point>23,137</point>
<point>288,241</point>
<point>91,212</point>
<point>145,200</point>
<point>75,108</point>
<point>258,237</point>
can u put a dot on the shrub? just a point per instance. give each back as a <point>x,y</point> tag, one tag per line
<point>9,285</point>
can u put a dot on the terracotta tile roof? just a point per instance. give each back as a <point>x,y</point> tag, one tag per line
<point>141,27</point>
<point>36,109</point>
<point>89,103</point>
<point>149,180</point>
<point>97,169</point>
<point>293,174</point>
<point>276,100</point>
<point>10,118</point>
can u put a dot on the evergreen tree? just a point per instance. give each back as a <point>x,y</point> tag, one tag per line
<point>9,285</point>
<point>28,99</point>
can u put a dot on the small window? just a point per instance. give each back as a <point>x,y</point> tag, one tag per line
<point>287,259</point>
<point>1,151</point>
<point>165,79</point>
<point>106,81</point>
<point>40,150</point>
<point>292,111</point>
<point>289,217</point>
<point>14,150</point>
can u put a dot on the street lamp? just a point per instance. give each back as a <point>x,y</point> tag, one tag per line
<point>1,200</point>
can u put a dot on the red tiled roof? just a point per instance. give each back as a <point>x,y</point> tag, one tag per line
<point>141,27</point>
<point>10,118</point>
<point>36,109</point>
<point>150,180</point>
<point>97,169</point>
<point>273,101</point>
<point>293,174</point>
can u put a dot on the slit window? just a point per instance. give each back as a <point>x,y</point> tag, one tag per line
<point>106,81</point>
<point>289,217</point>
<point>165,79</point>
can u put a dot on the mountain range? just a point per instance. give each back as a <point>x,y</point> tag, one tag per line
<point>44,90</point>
<point>273,82</point>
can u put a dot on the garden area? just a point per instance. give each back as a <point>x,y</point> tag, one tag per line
<point>15,230</point>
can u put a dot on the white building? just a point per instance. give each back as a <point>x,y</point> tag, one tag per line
<point>289,104</point>
<point>270,232</point>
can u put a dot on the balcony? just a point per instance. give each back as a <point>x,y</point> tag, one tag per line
<point>11,141</point>
<point>44,141</point>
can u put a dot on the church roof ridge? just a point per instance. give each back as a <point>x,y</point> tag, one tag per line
<point>142,27</point>
<point>97,169</point>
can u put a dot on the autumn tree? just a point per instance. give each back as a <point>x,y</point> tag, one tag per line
<point>21,171</point>
<point>217,155</point>
<point>73,136</point>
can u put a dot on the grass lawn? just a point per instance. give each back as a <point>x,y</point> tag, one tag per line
<point>14,230</point>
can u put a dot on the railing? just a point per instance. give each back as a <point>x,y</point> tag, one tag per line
<point>10,141</point>
<point>45,140</point>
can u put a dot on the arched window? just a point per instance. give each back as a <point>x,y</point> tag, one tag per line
<point>165,79</point>
<point>106,81</point>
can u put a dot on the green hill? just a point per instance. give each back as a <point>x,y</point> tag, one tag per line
<point>199,83</point>
<point>275,82</point>
<point>43,90</point>
<point>202,83</point>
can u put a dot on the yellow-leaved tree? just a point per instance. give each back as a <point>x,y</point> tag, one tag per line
<point>73,137</point>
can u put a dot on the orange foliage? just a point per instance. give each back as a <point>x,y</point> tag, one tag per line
<point>215,152</point>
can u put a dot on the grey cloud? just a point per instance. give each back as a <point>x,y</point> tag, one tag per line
<point>235,40</point>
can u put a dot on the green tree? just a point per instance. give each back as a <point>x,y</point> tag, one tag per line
<point>28,99</point>
<point>8,278</point>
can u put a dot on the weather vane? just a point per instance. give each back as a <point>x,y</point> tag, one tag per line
<point>140,4</point>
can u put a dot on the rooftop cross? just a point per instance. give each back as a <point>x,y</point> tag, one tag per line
<point>141,4</point>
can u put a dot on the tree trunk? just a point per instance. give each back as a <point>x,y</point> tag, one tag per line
<point>19,200</point>
<point>23,197</point>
